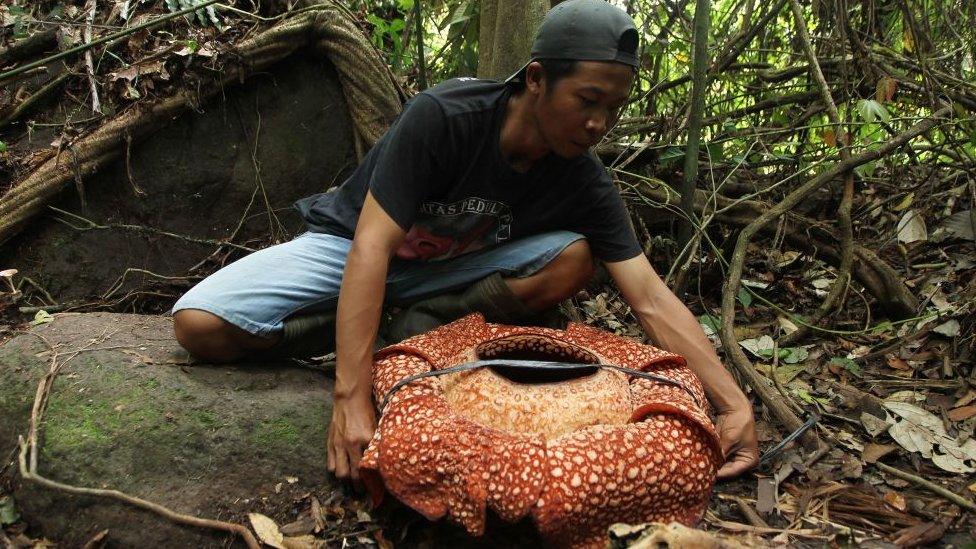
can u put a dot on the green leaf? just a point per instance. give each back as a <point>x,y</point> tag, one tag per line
<point>793,355</point>
<point>804,396</point>
<point>882,327</point>
<point>670,155</point>
<point>853,367</point>
<point>710,323</point>
<point>377,22</point>
<point>3,147</point>
<point>870,110</point>
<point>744,297</point>
<point>42,317</point>
<point>866,170</point>
<point>8,511</point>
<point>716,152</point>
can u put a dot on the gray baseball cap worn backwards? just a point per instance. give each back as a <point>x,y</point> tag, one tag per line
<point>585,30</point>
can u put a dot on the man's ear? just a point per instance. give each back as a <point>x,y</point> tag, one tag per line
<point>535,78</point>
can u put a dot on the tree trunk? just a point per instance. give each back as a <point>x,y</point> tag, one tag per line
<point>507,30</point>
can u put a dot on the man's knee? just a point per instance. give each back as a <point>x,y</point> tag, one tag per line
<point>564,276</point>
<point>575,264</point>
<point>203,335</point>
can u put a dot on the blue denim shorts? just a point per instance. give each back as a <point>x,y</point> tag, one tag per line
<point>258,291</point>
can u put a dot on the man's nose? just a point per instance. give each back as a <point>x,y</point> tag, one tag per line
<point>597,123</point>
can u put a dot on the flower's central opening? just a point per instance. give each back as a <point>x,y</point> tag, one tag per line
<point>547,402</point>
<point>540,349</point>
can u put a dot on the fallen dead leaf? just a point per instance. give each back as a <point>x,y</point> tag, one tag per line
<point>963,413</point>
<point>921,431</point>
<point>766,496</point>
<point>966,399</point>
<point>897,363</point>
<point>950,328</point>
<point>302,526</point>
<point>267,530</point>
<point>921,534</point>
<point>303,542</point>
<point>318,515</point>
<point>896,500</point>
<point>911,228</point>
<point>873,424</point>
<point>873,452</point>
<point>381,540</point>
<point>139,356</point>
<point>135,71</point>
<point>363,516</point>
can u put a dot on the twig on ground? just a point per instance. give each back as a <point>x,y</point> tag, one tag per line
<point>39,288</point>
<point>31,447</point>
<point>748,512</point>
<point>117,285</point>
<point>44,92</point>
<point>179,518</point>
<point>928,485</point>
<point>89,225</point>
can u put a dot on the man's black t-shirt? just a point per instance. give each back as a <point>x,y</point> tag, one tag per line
<point>439,173</point>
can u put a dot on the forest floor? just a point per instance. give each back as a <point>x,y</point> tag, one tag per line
<point>892,398</point>
<point>893,406</point>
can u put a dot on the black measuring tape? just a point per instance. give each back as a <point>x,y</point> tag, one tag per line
<point>538,365</point>
<point>775,451</point>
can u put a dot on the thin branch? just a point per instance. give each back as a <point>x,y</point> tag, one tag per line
<point>107,38</point>
<point>742,364</point>
<point>179,518</point>
<point>928,485</point>
<point>89,225</point>
<point>847,196</point>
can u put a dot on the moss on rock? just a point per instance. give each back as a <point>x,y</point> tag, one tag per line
<point>135,417</point>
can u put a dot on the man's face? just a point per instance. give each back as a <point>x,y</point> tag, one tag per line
<point>575,114</point>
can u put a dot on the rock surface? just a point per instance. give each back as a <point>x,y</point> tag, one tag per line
<point>129,411</point>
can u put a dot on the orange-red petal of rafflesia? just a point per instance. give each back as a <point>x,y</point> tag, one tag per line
<point>651,456</point>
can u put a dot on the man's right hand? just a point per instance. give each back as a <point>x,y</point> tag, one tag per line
<point>352,427</point>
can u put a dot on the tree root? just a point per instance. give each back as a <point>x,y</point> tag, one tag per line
<point>326,29</point>
<point>178,518</point>
<point>742,363</point>
<point>28,47</point>
<point>29,451</point>
<point>872,272</point>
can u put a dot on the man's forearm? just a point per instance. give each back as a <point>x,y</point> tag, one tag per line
<point>357,321</point>
<point>672,327</point>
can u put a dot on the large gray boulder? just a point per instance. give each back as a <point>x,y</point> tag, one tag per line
<point>129,411</point>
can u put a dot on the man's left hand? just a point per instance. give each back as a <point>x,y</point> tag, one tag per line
<point>737,433</point>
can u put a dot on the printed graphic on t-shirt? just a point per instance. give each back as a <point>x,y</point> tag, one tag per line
<point>442,231</point>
